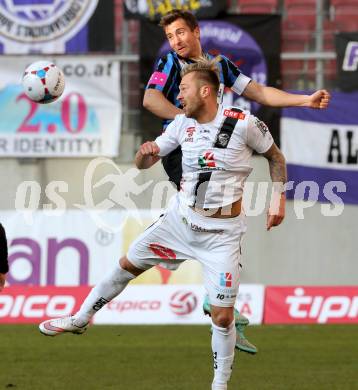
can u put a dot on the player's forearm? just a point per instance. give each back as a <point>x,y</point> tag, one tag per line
<point>277,165</point>
<point>278,172</point>
<point>274,97</point>
<point>155,102</point>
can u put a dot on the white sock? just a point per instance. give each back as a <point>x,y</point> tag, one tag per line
<point>223,345</point>
<point>108,288</point>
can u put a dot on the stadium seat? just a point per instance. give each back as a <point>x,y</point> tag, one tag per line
<point>118,20</point>
<point>329,29</point>
<point>296,35</point>
<point>344,3</point>
<point>346,23</point>
<point>257,7</point>
<point>133,34</point>
<point>304,11</point>
<point>298,25</point>
<point>330,69</point>
<point>344,12</point>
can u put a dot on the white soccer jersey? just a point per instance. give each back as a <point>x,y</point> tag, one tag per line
<point>216,155</point>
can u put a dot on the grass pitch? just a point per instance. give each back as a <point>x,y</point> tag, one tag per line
<point>177,358</point>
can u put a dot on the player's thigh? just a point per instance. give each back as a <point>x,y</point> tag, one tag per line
<point>163,243</point>
<point>221,271</point>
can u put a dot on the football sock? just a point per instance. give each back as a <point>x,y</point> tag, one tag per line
<point>108,288</point>
<point>223,346</point>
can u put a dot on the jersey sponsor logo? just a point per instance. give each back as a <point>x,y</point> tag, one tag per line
<point>226,279</point>
<point>311,305</point>
<point>190,133</point>
<point>200,229</point>
<point>162,251</point>
<point>234,114</point>
<point>261,126</point>
<point>207,160</point>
<point>158,78</point>
<point>100,303</point>
<point>183,302</point>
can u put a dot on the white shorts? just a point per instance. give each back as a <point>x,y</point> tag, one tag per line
<point>181,234</point>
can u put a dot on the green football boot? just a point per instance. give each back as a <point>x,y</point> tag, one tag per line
<point>242,344</point>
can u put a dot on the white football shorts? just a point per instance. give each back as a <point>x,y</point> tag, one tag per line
<point>181,234</point>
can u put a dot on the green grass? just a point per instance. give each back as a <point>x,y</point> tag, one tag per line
<point>177,358</point>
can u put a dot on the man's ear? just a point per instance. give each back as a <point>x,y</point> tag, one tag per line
<point>205,91</point>
<point>197,32</point>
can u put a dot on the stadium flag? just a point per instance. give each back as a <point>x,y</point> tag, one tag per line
<point>321,150</point>
<point>85,121</point>
<point>250,41</point>
<point>347,61</point>
<point>56,26</point>
<point>155,9</point>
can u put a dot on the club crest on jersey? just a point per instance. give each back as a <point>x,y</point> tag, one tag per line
<point>190,133</point>
<point>223,139</point>
<point>261,126</point>
<point>225,279</point>
<point>234,114</point>
<point>207,160</point>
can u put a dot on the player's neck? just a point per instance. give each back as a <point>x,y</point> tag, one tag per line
<point>209,114</point>
<point>196,54</point>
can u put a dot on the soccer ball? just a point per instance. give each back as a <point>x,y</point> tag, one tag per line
<point>43,82</point>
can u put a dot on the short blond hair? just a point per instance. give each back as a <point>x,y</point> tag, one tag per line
<point>206,70</point>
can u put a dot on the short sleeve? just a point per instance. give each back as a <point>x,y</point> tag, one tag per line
<point>232,76</point>
<point>169,139</point>
<point>259,137</point>
<point>163,74</point>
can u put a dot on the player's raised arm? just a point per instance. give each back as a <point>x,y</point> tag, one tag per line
<point>160,81</point>
<point>274,97</point>
<point>155,102</point>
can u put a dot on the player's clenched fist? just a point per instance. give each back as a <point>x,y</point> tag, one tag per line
<point>149,149</point>
<point>320,99</point>
<point>147,155</point>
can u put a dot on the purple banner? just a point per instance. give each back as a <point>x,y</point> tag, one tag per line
<point>321,150</point>
<point>322,184</point>
<point>342,110</point>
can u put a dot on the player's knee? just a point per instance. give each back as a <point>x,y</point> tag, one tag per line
<point>222,316</point>
<point>129,267</point>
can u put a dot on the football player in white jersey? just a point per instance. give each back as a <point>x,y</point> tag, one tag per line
<point>204,221</point>
<point>161,98</point>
